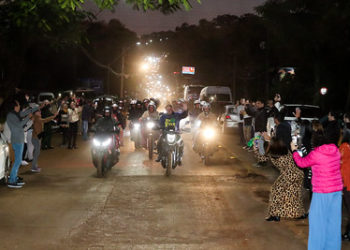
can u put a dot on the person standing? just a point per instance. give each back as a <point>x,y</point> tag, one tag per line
<point>16,120</point>
<point>286,199</point>
<point>86,117</point>
<point>46,140</point>
<point>332,129</point>
<point>239,108</point>
<point>36,139</point>
<point>73,118</point>
<point>345,171</point>
<point>260,116</point>
<point>326,204</point>
<point>64,124</point>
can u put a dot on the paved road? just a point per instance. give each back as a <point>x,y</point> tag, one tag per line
<point>221,206</point>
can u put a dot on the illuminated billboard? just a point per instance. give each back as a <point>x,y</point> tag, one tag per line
<point>186,70</point>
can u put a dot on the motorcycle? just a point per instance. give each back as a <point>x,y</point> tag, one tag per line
<point>105,152</point>
<point>172,153</point>
<point>151,136</point>
<point>135,133</point>
<point>208,145</point>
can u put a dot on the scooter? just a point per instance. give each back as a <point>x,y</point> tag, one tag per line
<point>105,152</point>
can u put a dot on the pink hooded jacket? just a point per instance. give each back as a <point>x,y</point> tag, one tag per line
<point>325,164</point>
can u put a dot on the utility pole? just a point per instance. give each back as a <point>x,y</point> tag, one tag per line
<point>108,81</point>
<point>122,74</point>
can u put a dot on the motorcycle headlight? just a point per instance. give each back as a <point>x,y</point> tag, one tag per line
<point>171,138</point>
<point>137,126</point>
<point>150,125</point>
<point>96,142</point>
<point>209,133</point>
<point>107,142</point>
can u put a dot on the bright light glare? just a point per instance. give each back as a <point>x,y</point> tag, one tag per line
<point>150,125</point>
<point>171,138</point>
<point>138,43</point>
<point>106,142</point>
<point>209,133</point>
<point>137,126</point>
<point>323,91</point>
<point>144,66</point>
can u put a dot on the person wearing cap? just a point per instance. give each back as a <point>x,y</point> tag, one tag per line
<point>16,121</point>
<point>38,124</point>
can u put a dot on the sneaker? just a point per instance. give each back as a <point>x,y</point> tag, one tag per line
<point>36,170</point>
<point>14,185</point>
<point>20,181</point>
<point>24,163</point>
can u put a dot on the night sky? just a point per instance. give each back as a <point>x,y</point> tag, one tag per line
<point>144,23</point>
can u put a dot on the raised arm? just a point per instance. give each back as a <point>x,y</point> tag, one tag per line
<point>304,162</point>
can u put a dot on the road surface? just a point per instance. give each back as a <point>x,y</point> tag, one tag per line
<point>221,206</point>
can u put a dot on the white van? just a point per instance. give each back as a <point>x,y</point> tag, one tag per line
<point>192,92</point>
<point>219,94</point>
<point>218,97</point>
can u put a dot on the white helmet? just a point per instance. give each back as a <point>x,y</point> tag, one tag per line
<point>133,102</point>
<point>203,103</point>
<point>114,105</point>
<point>206,105</point>
<point>151,103</point>
<point>197,102</point>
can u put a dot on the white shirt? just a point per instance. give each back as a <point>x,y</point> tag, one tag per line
<point>73,115</point>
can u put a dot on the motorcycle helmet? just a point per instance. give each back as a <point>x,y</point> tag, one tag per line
<point>206,105</point>
<point>152,104</point>
<point>115,105</point>
<point>106,109</point>
<point>197,102</point>
<point>133,102</point>
<point>145,100</point>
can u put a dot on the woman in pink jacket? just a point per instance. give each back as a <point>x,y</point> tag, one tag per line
<point>327,185</point>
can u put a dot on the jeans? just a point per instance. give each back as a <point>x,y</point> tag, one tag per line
<point>73,131</point>
<point>85,129</point>
<point>325,221</point>
<point>18,148</point>
<point>36,144</point>
<point>30,146</point>
<point>241,133</point>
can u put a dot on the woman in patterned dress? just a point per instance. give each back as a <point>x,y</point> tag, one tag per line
<point>286,192</point>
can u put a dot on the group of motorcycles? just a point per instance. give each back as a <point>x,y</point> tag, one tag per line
<point>145,133</point>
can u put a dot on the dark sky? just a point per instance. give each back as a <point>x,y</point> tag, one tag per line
<point>143,23</point>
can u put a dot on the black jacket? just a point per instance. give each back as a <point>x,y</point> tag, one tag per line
<point>260,116</point>
<point>106,125</point>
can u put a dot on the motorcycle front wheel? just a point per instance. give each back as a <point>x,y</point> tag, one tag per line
<point>100,168</point>
<point>150,147</point>
<point>169,164</point>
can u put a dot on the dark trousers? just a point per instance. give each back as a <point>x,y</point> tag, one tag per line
<point>46,140</point>
<point>65,135</point>
<point>241,133</point>
<point>73,131</point>
<point>346,196</point>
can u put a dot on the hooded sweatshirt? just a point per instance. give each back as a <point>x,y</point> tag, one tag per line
<point>325,164</point>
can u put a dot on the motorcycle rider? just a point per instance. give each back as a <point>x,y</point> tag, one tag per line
<point>118,116</point>
<point>152,114</point>
<point>204,118</point>
<point>197,109</point>
<point>106,124</point>
<point>135,111</point>
<point>168,120</point>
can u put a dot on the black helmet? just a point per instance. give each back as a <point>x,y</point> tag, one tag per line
<point>106,109</point>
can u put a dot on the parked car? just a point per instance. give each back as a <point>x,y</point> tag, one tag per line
<point>4,159</point>
<point>45,96</point>
<point>308,112</point>
<point>229,119</point>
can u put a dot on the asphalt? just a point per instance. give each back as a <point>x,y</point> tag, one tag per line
<point>220,206</point>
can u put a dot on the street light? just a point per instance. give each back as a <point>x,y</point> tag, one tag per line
<point>323,91</point>
<point>144,66</point>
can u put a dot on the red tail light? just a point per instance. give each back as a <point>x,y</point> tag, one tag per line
<point>228,117</point>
